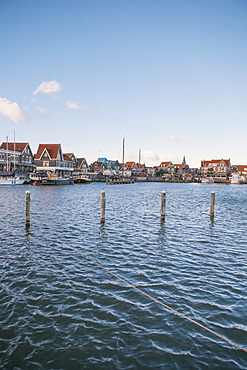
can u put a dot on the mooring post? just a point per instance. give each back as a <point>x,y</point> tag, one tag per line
<point>163,205</point>
<point>102,206</point>
<point>212,203</point>
<point>28,201</point>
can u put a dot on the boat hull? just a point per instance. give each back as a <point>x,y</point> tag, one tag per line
<point>207,180</point>
<point>11,181</point>
<point>82,180</point>
<point>54,181</point>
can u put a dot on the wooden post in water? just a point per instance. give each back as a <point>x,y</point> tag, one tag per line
<point>212,203</point>
<point>102,206</point>
<point>163,205</point>
<point>28,202</point>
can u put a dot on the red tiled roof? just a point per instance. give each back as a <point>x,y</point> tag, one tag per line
<point>164,164</point>
<point>130,164</point>
<point>68,154</point>
<point>52,149</point>
<point>14,146</point>
<point>97,163</point>
<point>214,161</point>
<point>67,158</point>
<point>80,160</point>
<point>180,165</point>
<point>242,168</point>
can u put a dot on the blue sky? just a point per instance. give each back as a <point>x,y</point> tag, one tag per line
<point>168,75</point>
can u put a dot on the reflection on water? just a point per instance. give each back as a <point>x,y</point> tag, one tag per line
<point>60,310</point>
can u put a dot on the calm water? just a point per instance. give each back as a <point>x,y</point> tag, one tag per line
<point>59,310</point>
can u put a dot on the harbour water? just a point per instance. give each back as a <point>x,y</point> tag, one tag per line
<point>60,310</point>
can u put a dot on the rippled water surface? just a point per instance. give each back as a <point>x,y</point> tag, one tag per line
<point>60,310</point>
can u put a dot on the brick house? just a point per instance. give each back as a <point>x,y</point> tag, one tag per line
<point>217,168</point>
<point>18,156</point>
<point>49,157</point>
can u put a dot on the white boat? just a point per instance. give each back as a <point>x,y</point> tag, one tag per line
<point>53,181</point>
<point>236,179</point>
<point>11,180</point>
<point>207,180</point>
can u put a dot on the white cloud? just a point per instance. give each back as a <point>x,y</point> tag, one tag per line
<point>48,87</point>
<point>150,158</point>
<point>12,110</point>
<point>173,139</point>
<point>42,112</point>
<point>70,104</point>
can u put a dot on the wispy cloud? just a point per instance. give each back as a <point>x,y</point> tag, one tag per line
<point>173,139</point>
<point>12,110</point>
<point>70,104</point>
<point>48,87</point>
<point>150,157</point>
<point>42,112</point>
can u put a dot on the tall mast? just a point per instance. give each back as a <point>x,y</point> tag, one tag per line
<point>123,148</point>
<point>123,157</point>
<point>7,154</point>
<point>139,156</point>
<point>14,151</point>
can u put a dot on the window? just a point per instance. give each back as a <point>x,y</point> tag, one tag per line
<point>45,163</point>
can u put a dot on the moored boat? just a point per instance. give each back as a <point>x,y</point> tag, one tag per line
<point>50,179</point>
<point>82,180</point>
<point>11,180</point>
<point>207,180</point>
<point>236,179</point>
<point>54,181</point>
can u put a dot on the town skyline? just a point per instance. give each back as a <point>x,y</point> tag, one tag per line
<point>7,142</point>
<point>168,76</point>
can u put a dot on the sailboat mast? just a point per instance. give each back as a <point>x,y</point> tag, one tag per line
<point>123,157</point>
<point>14,151</point>
<point>7,154</point>
<point>123,148</point>
<point>139,156</point>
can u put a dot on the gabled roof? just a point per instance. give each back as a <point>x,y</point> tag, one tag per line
<point>14,146</point>
<point>52,149</point>
<point>69,154</point>
<point>80,161</point>
<point>165,164</point>
<point>67,158</point>
<point>130,164</point>
<point>180,165</point>
<point>242,168</point>
<point>98,164</point>
<point>215,161</point>
<point>139,165</point>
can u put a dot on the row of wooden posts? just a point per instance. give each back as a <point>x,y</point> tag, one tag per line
<point>103,202</point>
<point>162,208</point>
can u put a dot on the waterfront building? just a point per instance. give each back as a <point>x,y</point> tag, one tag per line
<point>97,167</point>
<point>49,157</point>
<point>242,171</point>
<point>165,170</point>
<point>82,166</point>
<point>16,157</point>
<point>125,170</point>
<point>72,157</point>
<point>219,169</point>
